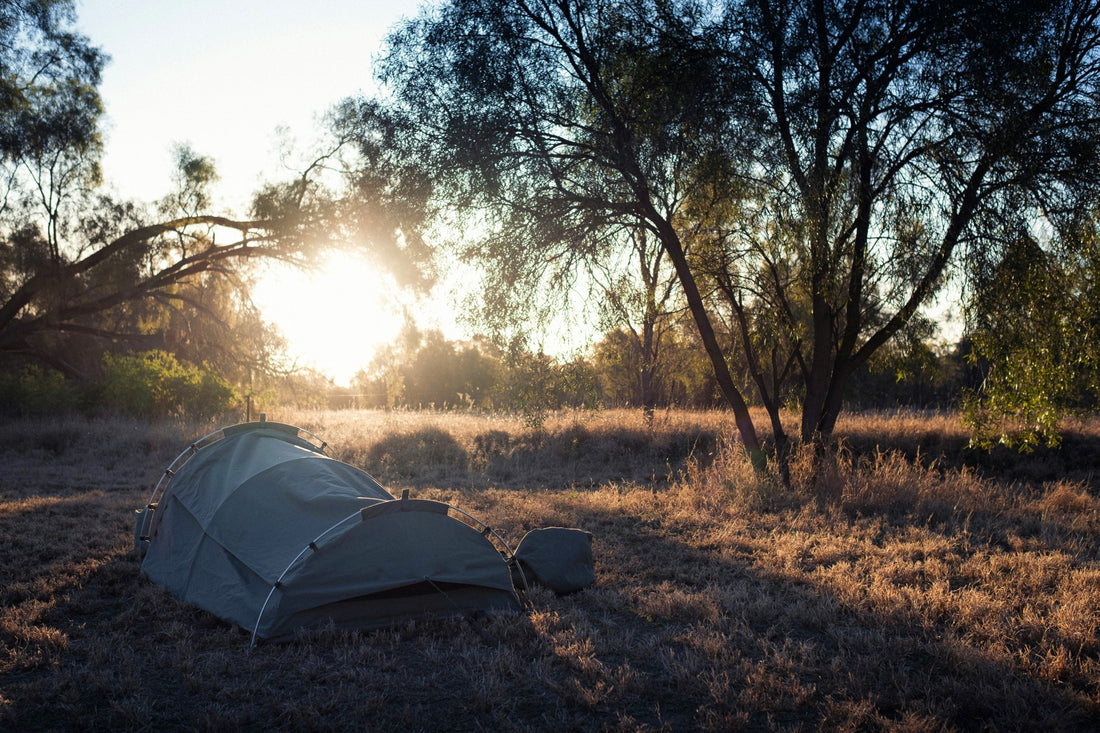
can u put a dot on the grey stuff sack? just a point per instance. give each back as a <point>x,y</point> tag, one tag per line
<point>558,557</point>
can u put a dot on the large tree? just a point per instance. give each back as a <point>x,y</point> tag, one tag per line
<point>80,270</point>
<point>107,271</point>
<point>515,111</point>
<point>897,138</point>
<point>74,264</point>
<point>812,170</point>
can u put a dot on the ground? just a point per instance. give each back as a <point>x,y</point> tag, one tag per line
<point>902,582</point>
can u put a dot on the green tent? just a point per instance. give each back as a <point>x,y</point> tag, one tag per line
<point>256,524</point>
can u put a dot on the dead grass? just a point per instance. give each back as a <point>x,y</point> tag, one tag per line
<point>903,584</point>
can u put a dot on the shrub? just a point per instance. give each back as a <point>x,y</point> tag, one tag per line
<point>429,452</point>
<point>38,391</point>
<point>155,384</point>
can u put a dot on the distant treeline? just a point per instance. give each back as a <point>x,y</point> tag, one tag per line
<point>425,370</point>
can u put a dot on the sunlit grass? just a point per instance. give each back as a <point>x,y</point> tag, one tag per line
<point>902,583</point>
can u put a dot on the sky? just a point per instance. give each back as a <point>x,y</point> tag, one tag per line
<point>224,76</point>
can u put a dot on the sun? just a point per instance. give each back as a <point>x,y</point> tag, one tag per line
<point>335,317</point>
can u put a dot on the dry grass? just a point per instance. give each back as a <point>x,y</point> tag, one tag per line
<point>903,584</point>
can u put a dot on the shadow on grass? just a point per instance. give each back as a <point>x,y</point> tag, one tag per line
<point>114,652</point>
<point>1077,458</point>
<point>49,541</point>
<point>575,457</point>
<point>742,648</point>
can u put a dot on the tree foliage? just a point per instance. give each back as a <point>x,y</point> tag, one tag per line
<point>812,170</point>
<point>81,272</point>
<point>79,269</point>
<point>389,202</point>
<point>1035,325</point>
<point>427,370</point>
<point>678,376</point>
<point>49,102</point>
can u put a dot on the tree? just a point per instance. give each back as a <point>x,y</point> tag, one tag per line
<point>903,132</point>
<point>49,103</point>
<point>73,262</point>
<point>80,272</point>
<point>93,284</point>
<point>1034,323</point>
<point>519,110</point>
<point>812,170</point>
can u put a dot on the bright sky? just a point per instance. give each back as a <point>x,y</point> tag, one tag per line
<point>223,76</point>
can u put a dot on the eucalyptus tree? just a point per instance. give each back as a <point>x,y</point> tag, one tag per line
<point>77,265</point>
<point>896,139</point>
<point>556,133</point>
<point>813,170</point>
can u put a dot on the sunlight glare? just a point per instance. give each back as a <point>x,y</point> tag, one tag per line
<point>334,318</point>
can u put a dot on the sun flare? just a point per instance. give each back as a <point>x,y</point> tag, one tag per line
<point>334,318</point>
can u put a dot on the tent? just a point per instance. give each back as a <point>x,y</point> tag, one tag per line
<point>258,525</point>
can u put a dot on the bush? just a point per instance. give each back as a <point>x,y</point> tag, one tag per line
<point>38,391</point>
<point>428,453</point>
<point>155,384</point>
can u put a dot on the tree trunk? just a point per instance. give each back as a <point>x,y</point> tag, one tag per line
<point>817,382</point>
<point>649,362</point>
<point>730,393</point>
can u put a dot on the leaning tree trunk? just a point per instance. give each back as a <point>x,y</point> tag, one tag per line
<point>671,242</point>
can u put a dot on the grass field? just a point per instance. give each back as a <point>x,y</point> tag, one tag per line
<point>905,584</point>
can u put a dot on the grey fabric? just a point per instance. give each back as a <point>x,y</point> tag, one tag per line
<point>262,505</point>
<point>432,547</point>
<point>558,557</point>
